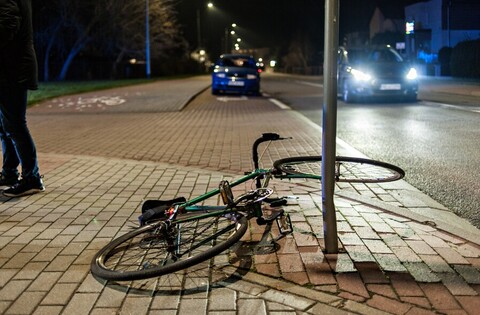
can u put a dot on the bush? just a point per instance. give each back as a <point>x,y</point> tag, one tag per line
<point>465,59</point>
<point>444,58</point>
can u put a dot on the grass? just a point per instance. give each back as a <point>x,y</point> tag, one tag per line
<point>48,90</point>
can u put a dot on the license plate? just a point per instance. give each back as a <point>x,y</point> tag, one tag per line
<point>236,83</point>
<point>396,86</point>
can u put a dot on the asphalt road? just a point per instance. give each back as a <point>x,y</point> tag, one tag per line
<point>436,144</point>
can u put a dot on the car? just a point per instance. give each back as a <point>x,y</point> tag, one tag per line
<point>236,73</point>
<point>377,72</point>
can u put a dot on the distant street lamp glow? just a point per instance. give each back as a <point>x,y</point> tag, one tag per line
<point>210,5</point>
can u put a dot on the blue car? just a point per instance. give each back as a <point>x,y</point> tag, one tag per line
<point>236,73</point>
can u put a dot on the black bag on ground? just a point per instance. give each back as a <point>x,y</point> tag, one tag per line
<point>155,209</point>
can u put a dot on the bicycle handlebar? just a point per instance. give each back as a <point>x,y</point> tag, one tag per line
<point>269,136</point>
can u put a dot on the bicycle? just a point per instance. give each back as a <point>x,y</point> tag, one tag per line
<point>188,232</point>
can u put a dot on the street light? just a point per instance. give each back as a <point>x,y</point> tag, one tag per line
<point>232,32</point>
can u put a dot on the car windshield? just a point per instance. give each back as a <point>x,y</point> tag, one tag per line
<point>376,55</point>
<point>240,62</point>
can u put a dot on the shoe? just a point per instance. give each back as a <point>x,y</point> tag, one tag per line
<point>8,180</point>
<point>24,187</point>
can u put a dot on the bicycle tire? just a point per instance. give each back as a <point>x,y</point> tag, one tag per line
<point>143,253</point>
<point>347,169</point>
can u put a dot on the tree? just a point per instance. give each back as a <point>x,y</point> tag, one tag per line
<point>300,53</point>
<point>110,28</point>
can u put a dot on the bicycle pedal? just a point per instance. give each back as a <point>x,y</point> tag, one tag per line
<point>284,224</point>
<point>274,214</point>
<point>277,202</point>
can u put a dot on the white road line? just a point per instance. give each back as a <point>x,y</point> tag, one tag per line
<point>457,107</point>
<point>279,104</point>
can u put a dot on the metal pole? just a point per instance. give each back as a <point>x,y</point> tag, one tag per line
<point>329,127</point>
<point>147,41</point>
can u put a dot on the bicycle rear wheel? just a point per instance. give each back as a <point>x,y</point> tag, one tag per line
<point>347,169</point>
<point>163,248</point>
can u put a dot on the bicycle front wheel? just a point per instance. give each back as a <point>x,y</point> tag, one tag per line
<point>166,247</point>
<point>347,169</point>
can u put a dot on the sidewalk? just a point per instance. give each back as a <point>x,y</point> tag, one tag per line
<point>400,251</point>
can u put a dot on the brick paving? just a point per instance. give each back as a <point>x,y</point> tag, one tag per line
<point>102,161</point>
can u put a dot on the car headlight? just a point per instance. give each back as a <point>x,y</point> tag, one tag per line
<point>360,75</point>
<point>220,75</point>
<point>251,76</point>
<point>412,74</point>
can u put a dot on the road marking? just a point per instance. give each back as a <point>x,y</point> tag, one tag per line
<point>310,83</point>
<point>279,104</point>
<point>231,98</point>
<point>458,107</point>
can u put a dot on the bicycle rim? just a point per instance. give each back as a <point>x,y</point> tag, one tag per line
<point>156,249</point>
<point>347,169</point>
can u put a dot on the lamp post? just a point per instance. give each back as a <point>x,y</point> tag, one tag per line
<point>147,41</point>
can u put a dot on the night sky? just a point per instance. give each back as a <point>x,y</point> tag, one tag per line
<point>273,23</point>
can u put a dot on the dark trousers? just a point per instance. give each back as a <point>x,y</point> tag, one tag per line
<point>17,143</point>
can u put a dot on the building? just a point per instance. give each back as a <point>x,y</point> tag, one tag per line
<point>440,23</point>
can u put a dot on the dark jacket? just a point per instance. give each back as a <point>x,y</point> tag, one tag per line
<point>18,63</point>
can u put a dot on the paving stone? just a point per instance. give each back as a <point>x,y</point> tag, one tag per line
<point>467,250</point>
<point>48,310</point>
<point>26,303</point>
<point>356,221</point>
<point>451,256</point>
<point>405,285</point>
<point>382,289</point>
<point>436,263</point>
<point>439,297</point>
<point>456,284</point>
<point>421,272</point>
<point>359,253</point>
<point>341,263</point>
<point>406,254</point>
<point>359,308</point>
<point>350,239</point>
<point>366,232</point>
<point>389,305</point>
<point>434,241</point>
<point>290,263</point>
<point>352,283</point>
<point>469,273</point>
<point>251,306</point>
<point>420,247</point>
<point>325,309</point>
<point>389,262</point>
<point>290,300</point>
<point>415,300</point>
<point>471,304</point>
<point>377,247</point>
<point>371,273</point>
<point>82,303</point>
<point>13,289</point>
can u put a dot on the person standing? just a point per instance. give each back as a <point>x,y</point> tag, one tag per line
<point>18,74</point>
